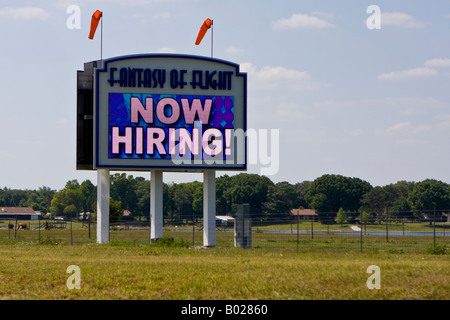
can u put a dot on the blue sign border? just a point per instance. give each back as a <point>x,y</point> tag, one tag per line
<point>235,167</point>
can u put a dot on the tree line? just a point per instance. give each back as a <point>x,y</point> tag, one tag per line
<point>333,197</point>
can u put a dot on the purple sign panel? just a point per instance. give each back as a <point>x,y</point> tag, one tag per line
<point>157,126</point>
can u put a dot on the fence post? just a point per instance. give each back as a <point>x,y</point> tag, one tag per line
<point>297,231</point>
<point>434,228</point>
<point>361,235</point>
<point>312,229</point>
<point>193,230</point>
<point>387,232</point>
<point>15,229</point>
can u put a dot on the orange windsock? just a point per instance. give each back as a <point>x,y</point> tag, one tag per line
<point>94,23</point>
<point>205,26</point>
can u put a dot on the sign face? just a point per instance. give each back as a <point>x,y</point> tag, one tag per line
<point>173,112</point>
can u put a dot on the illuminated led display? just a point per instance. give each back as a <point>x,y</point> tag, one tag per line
<point>174,112</point>
<point>145,126</point>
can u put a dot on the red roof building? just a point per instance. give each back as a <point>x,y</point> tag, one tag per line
<point>21,213</point>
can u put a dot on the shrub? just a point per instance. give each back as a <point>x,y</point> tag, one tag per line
<point>440,248</point>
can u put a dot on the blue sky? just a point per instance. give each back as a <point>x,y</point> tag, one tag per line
<point>372,104</point>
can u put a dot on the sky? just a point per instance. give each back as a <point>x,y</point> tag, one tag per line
<point>346,95</point>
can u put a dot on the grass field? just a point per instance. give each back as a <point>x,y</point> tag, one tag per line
<point>129,268</point>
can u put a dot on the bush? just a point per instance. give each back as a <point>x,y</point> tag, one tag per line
<point>440,248</point>
<point>170,242</point>
<point>49,241</point>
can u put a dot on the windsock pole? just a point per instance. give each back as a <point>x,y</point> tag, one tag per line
<point>212,37</point>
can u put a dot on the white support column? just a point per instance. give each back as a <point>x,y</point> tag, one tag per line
<point>102,206</point>
<point>209,208</point>
<point>156,205</point>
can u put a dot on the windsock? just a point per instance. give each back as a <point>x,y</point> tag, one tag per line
<point>205,26</point>
<point>94,23</point>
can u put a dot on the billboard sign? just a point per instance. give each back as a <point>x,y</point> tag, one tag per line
<point>169,111</point>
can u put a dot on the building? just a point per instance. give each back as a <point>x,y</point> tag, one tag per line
<point>19,213</point>
<point>127,216</point>
<point>224,221</point>
<point>303,214</point>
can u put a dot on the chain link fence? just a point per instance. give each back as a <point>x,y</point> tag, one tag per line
<point>297,233</point>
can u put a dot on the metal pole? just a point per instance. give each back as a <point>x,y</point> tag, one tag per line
<point>193,230</point>
<point>101,39</point>
<point>103,193</point>
<point>434,228</point>
<point>297,231</point>
<point>361,235</point>
<point>387,236</point>
<point>312,229</point>
<point>212,37</point>
<point>156,205</point>
<point>209,208</point>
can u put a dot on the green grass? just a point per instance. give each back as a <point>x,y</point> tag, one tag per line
<point>131,268</point>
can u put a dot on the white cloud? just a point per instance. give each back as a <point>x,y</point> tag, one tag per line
<point>322,14</point>
<point>161,15</point>
<point>408,74</point>
<point>400,19</point>
<point>280,78</point>
<point>281,73</point>
<point>234,50</point>
<point>303,21</point>
<point>166,50</point>
<point>437,63</point>
<point>292,111</point>
<point>444,122</point>
<point>62,121</point>
<point>27,13</point>
<point>138,2</point>
<point>398,126</point>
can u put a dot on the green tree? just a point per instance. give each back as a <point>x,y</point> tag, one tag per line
<point>429,196</point>
<point>341,217</point>
<point>365,217</point>
<point>281,198</point>
<point>197,198</point>
<point>142,192</point>
<point>122,189</point>
<point>115,210</point>
<point>66,198</point>
<point>300,190</point>
<point>251,189</point>
<point>330,192</point>
<point>181,197</point>
<point>88,194</point>
<point>223,202</point>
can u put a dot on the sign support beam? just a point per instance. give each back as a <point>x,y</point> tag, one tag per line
<point>156,205</point>
<point>209,208</point>
<point>103,191</point>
